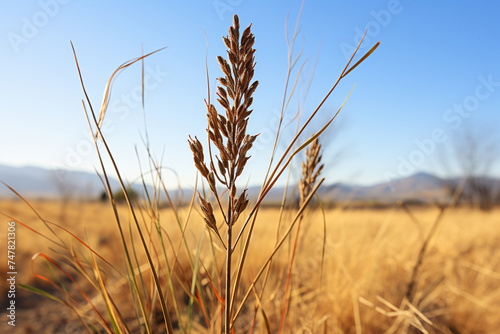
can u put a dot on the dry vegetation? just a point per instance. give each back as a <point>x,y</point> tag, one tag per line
<point>369,256</point>
<point>142,267</point>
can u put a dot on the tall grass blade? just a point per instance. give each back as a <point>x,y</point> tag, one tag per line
<point>166,315</point>
<point>278,246</point>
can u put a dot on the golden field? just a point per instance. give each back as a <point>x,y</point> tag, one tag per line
<point>369,256</point>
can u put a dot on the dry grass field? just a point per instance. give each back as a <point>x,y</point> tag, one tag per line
<point>135,265</point>
<point>369,256</point>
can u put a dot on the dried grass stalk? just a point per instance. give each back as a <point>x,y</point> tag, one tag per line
<point>227,132</point>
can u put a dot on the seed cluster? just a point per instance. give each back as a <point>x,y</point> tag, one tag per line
<point>228,132</point>
<point>310,169</point>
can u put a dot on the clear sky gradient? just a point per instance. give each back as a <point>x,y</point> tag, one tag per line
<point>435,76</point>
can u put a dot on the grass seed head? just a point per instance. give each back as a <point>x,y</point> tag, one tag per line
<point>228,131</point>
<point>311,169</point>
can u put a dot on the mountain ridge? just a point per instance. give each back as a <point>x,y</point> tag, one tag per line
<point>40,182</point>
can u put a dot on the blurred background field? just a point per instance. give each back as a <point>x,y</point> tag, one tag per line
<point>404,238</point>
<point>369,257</point>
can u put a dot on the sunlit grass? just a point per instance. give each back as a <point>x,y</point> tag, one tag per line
<point>368,262</point>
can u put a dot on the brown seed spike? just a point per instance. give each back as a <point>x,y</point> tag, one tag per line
<point>224,66</point>
<point>232,36</point>
<point>230,93</point>
<point>222,169</point>
<point>232,57</point>
<point>246,33</point>
<point>249,102</point>
<point>227,42</point>
<point>223,129</point>
<point>208,212</point>
<point>252,88</point>
<point>223,81</point>
<point>248,44</point>
<point>224,103</point>
<point>310,169</point>
<point>212,136</point>
<point>234,46</point>
<point>236,22</point>
<point>222,92</point>
<point>211,182</point>
<point>230,82</point>
<point>240,200</point>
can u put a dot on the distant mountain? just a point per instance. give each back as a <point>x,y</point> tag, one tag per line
<point>45,183</point>
<point>420,186</point>
<point>40,182</point>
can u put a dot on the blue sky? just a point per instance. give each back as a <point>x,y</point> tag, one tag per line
<point>435,76</point>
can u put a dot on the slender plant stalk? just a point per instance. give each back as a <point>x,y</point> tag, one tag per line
<point>98,135</point>
<point>411,288</point>
<point>228,134</point>
<point>277,247</point>
<point>227,315</point>
<point>310,172</point>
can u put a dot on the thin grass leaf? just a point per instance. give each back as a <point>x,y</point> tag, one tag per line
<point>159,232</point>
<point>68,232</point>
<point>41,293</point>
<point>362,58</point>
<point>202,307</point>
<point>141,278</point>
<point>103,322</point>
<point>164,308</point>
<point>278,246</point>
<point>130,267</point>
<point>107,90</point>
<point>62,244</point>
<point>323,248</point>
<point>105,296</point>
<point>262,311</point>
<point>304,145</point>
<point>219,298</point>
<point>50,296</point>
<point>266,321</point>
<point>195,279</point>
